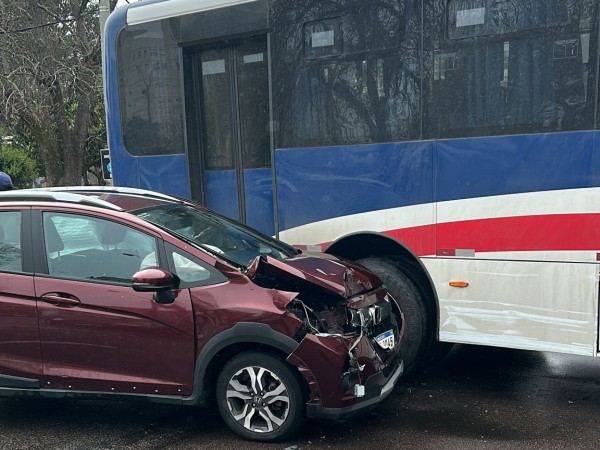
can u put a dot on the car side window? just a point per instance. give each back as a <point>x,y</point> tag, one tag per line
<point>192,271</point>
<point>89,248</point>
<point>10,242</point>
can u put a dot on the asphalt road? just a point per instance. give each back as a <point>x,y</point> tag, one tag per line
<point>476,398</point>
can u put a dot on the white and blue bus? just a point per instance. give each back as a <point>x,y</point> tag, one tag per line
<point>449,145</point>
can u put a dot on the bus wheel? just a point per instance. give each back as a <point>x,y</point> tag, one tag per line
<point>419,338</point>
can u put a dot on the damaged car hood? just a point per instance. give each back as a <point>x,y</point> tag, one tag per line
<point>334,275</point>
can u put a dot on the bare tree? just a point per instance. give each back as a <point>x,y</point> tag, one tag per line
<point>51,78</point>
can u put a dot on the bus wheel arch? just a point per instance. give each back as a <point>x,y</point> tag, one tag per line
<point>408,282</point>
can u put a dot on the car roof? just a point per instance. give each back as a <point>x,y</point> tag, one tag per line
<point>107,197</point>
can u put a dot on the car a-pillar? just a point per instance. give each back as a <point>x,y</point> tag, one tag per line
<point>410,286</point>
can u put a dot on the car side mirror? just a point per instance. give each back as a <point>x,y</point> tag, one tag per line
<point>156,280</point>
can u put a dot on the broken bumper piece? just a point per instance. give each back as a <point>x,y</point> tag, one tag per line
<point>377,389</point>
<point>336,389</point>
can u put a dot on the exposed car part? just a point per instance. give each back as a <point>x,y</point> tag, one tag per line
<point>407,297</point>
<point>357,313</point>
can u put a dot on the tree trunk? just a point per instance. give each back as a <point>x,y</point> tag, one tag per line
<point>51,60</point>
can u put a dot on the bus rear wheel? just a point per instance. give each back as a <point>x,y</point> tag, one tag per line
<point>419,323</point>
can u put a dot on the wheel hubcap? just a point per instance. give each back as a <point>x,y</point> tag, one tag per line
<point>257,399</point>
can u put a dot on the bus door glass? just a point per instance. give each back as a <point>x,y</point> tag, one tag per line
<point>235,142</point>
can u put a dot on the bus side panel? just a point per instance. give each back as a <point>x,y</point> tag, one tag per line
<point>258,188</point>
<point>221,193</point>
<point>167,174</point>
<point>529,197</point>
<point>532,305</point>
<point>481,167</point>
<point>125,170</point>
<point>164,173</point>
<point>320,185</point>
<point>123,165</point>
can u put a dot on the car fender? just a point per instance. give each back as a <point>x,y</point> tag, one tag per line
<point>240,333</point>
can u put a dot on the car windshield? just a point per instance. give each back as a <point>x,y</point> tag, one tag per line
<point>217,234</point>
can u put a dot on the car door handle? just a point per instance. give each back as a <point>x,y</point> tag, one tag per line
<point>57,299</point>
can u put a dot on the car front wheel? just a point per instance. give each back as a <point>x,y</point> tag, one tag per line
<point>260,397</point>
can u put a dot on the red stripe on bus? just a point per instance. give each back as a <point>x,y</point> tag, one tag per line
<point>420,240</point>
<point>557,232</point>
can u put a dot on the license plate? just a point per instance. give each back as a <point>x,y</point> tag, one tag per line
<point>386,340</point>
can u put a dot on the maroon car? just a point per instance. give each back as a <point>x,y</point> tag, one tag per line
<point>130,294</point>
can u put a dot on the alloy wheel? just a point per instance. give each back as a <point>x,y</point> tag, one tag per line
<point>257,399</point>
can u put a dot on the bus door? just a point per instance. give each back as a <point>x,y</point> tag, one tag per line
<point>232,104</point>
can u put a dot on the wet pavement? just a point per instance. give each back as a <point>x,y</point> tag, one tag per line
<point>475,398</point>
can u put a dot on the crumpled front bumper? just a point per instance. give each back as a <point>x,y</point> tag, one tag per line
<point>323,362</point>
<point>377,389</point>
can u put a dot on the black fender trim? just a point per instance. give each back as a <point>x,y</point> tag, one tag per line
<point>240,333</point>
<point>88,395</point>
<point>10,381</point>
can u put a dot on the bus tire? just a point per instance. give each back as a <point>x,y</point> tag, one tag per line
<point>419,328</point>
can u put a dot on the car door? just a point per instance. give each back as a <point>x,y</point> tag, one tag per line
<point>20,357</point>
<point>97,333</point>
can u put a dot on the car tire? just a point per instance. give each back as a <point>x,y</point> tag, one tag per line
<point>419,336</point>
<point>260,397</point>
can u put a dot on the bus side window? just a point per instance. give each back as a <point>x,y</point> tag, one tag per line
<point>349,77</point>
<point>510,67</point>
